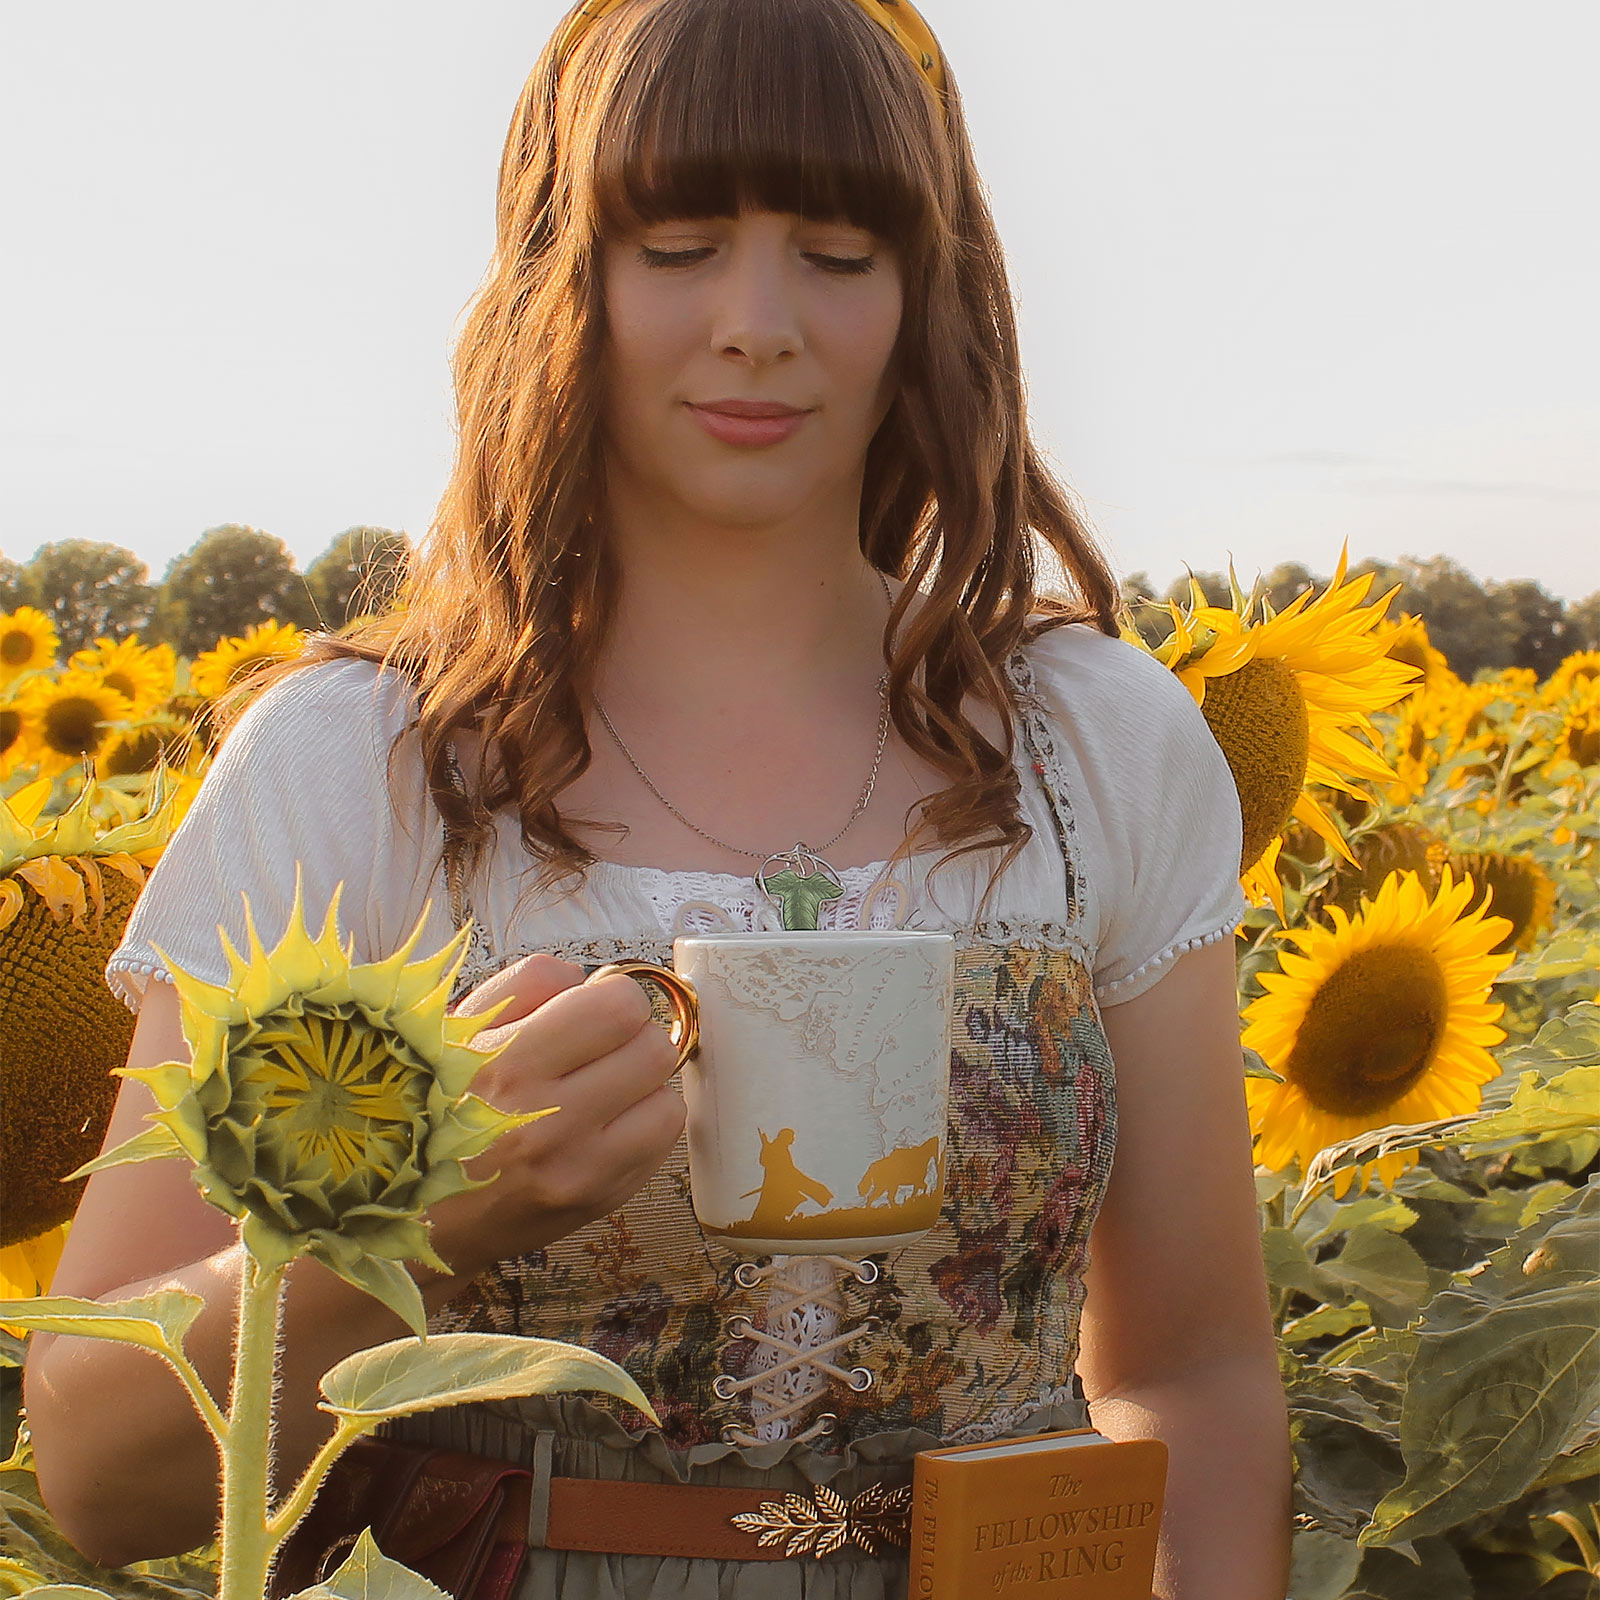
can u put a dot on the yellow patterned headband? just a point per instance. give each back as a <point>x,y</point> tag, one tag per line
<point>898,18</point>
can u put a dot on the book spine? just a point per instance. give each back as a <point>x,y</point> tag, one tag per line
<point>939,1506</point>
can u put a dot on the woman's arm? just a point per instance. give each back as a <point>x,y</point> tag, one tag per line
<point>1177,1338</point>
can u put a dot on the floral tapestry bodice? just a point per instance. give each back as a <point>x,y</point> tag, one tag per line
<point>969,1328</point>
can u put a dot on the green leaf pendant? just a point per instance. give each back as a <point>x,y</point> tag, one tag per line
<point>801,889</point>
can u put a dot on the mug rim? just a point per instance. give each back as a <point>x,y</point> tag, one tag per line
<point>791,938</point>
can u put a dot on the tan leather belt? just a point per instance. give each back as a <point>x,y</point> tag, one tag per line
<point>675,1519</point>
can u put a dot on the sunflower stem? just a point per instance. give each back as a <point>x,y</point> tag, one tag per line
<point>282,1522</point>
<point>246,1539</point>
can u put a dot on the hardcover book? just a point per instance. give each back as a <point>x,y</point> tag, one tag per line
<point>1069,1515</point>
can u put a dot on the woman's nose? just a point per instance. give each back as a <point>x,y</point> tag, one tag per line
<point>756,313</point>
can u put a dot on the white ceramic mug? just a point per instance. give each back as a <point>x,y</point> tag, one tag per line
<point>816,1072</point>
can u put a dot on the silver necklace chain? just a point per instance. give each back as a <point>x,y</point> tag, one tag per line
<point>767,855</point>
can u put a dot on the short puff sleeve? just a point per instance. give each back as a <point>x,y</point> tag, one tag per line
<point>1162,842</point>
<point>303,776</point>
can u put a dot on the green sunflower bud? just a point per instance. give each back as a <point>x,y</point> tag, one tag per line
<point>326,1104</point>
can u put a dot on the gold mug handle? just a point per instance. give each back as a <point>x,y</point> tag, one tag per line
<point>685,1002</point>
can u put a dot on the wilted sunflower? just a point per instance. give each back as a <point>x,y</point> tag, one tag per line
<point>66,890</point>
<point>1522,891</point>
<point>143,674</point>
<point>1384,1018</point>
<point>1283,696</point>
<point>28,642</point>
<point>325,1104</point>
<point>217,670</point>
<point>73,716</point>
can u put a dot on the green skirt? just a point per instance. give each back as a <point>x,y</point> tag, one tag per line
<point>566,1436</point>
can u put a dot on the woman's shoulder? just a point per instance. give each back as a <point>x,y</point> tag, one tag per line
<point>326,704</point>
<point>1103,686</point>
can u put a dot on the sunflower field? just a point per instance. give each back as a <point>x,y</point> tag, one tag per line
<point>1418,1003</point>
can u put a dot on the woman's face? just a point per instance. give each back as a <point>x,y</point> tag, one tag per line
<point>763,312</point>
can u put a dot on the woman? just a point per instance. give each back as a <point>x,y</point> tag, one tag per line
<point>742,427</point>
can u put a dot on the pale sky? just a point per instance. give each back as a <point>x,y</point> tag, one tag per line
<point>1287,273</point>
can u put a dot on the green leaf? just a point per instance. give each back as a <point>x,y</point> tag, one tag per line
<point>1326,1321</point>
<point>396,1379</point>
<point>1369,1146</point>
<point>1437,1574</point>
<point>1380,1268</point>
<point>1378,1210</point>
<point>1540,1110</point>
<point>368,1574</point>
<point>154,1144</point>
<point>156,1322</point>
<point>1507,1366</point>
<point>1324,1564</point>
<point>1255,1066</point>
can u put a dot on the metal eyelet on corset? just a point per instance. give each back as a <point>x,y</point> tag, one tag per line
<point>827,1422</point>
<point>737,1326</point>
<point>747,1275</point>
<point>861,1379</point>
<point>725,1386</point>
<point>867,1272</point>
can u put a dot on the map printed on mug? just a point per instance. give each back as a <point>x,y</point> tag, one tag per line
<point>818,1097</point>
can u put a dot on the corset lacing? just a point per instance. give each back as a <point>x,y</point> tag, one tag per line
<point>797,1339</point>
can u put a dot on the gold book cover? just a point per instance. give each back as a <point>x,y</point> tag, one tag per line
<point>1069,1515</point>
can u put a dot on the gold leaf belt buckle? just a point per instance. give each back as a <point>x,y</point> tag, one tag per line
<point>824,1521</point>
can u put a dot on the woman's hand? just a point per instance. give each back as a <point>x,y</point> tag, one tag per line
<point>592,1050</point>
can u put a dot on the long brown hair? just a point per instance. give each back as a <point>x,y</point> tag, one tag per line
<point>704,108</point>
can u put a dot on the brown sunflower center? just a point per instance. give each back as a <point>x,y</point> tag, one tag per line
<point>1259,717</point>
<point>10,727</point>
<point>122,683</point>
<point>1511,883</point>
<point>1583,743</point>
<point>1370,1031</point>
<point>72,725</point>
<point>137,752</point>
<point>17,648</point>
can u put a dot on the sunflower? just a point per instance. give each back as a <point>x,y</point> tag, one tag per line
<point>1283,696</point>
<point>1406,639</point>
<point>28,642</point>
<point>218,670</point>
<point>66,890</point>
<point>1584,667</point>
<point>144,743</point>
<point>1384,1018</point>
<point>1519,888</point>
<point>17,735</point>
<point>1388,848</point>
<point>72,717</point>
<point>1578,738</point>
<point>28,1268</point>
<point>142,674</point>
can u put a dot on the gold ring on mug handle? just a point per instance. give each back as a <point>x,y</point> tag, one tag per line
<point>685,1002</point>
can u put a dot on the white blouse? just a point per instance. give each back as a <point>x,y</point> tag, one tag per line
<point>1154,845</point>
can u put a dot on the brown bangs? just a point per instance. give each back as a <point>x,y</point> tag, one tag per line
<point>764,105</point>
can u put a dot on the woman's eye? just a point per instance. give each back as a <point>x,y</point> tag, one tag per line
<point>845,266</point>
<point>849,266</point>
<point>672,258</point>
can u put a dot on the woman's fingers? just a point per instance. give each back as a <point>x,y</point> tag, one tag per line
<point>527,984</point>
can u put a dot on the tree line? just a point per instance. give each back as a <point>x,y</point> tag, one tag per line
<point>231,578</point>
<point>235,576</point>
<point>1479,627</point>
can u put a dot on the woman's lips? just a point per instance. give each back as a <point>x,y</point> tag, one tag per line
<point>749,424</point>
